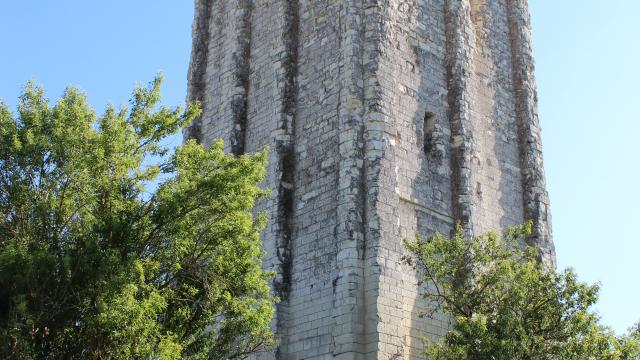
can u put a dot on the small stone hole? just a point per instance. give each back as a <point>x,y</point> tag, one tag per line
<point>428,127</point>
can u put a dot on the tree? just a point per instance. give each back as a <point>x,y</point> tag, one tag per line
<point>94,265</point>
<point>505,304</point>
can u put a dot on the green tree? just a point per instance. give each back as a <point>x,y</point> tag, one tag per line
<point>95,265</point>
<point>505,304</point>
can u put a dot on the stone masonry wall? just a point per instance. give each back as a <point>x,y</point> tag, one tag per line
<point>384,118</point>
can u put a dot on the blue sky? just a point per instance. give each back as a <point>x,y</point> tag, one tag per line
<point>587,70</point>
<point>104,48</point>
<point>586,51</point>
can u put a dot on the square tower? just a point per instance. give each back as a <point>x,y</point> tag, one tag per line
<point>384,118</point>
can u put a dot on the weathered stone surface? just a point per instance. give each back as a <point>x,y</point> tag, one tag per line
<point>384,117</point>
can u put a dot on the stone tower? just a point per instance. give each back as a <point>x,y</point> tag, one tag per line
<point>384,118</point>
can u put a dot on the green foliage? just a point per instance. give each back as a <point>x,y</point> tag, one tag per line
<point>93,265</point>
<point>505,304</point>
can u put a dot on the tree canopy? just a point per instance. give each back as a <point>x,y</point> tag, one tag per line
<point>505,304</point>
<point>113,246</point>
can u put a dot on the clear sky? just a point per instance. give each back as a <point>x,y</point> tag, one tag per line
<point>587,54</point>
<point>587,68</point>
